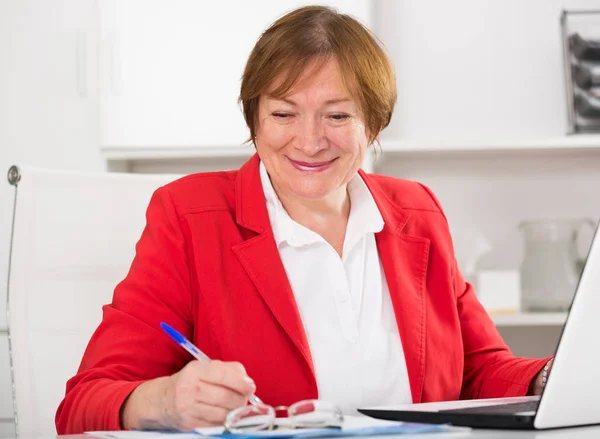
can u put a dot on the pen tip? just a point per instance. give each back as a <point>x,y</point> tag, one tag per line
<point>172,333</point>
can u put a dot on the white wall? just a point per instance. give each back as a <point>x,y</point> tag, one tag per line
<point>45,120</point>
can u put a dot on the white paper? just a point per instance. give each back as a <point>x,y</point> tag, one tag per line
<point>353,422</point>
<point>350,423</point>
<point>138,434</point>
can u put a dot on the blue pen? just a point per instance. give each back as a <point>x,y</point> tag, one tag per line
<point>197,353</point>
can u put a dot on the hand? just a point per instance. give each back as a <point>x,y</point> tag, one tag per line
<point>199,395</point>
<point>536,385</point>
<point>202,394</point>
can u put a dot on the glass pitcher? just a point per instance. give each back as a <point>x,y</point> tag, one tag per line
<point>551,265</point>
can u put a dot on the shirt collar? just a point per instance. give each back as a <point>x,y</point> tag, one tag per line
<point>364,215</point>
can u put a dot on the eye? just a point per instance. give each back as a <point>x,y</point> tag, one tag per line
<point>280,115</point>
<point>339,117</point>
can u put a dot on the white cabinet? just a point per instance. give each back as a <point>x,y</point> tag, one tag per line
<point>170,71</point>
<point>477,72</point>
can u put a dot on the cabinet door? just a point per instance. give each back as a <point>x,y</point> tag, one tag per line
<point>476,72</point>
<point>170,71</point>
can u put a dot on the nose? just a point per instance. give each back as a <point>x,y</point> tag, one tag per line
<point>312,136</point>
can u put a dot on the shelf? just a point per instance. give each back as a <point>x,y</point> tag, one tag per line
<point>575,142</point>
<point>571,143</point>
<point>167,153</point>
<point>530,319</point>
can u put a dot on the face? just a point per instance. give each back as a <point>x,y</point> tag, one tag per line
<point>313,141</point>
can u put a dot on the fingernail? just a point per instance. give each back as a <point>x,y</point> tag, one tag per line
<point>250,381</point>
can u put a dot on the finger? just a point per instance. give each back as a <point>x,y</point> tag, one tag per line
<point>216,372</point>
<point>204,415</point>
<point>219,396</point>
<point>236,366</point>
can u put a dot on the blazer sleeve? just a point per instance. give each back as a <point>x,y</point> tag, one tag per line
<point>490,369</point>
<point>128,346</point>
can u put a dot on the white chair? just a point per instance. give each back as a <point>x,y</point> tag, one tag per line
<point>73,239</point>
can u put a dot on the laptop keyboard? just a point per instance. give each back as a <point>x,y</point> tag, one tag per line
<point>498,409</point>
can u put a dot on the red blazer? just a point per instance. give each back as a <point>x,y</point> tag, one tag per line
<point>208,265</point>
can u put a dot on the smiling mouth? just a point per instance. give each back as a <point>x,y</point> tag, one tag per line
<point>311,166</point>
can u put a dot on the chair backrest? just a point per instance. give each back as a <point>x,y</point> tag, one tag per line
<point>73,240</point>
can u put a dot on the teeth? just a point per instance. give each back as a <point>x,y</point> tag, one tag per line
<point>311,166</point>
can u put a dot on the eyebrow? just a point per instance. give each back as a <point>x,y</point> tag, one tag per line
<point>336,101</point>
<point>327,102</point>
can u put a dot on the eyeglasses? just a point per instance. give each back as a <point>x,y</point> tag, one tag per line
<point>311,413</point>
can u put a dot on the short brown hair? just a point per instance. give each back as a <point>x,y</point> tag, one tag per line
<point>312,33</point>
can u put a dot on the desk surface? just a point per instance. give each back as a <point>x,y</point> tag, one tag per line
<point>563,433</point>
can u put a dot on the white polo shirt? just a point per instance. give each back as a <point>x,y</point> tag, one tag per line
<point>344,304</point>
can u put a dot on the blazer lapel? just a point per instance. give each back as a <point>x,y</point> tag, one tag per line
<point>260,257</point>
<point>404,259</point>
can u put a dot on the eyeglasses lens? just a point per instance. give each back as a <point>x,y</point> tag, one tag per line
<point>250,418</point>
<point>314,414</point>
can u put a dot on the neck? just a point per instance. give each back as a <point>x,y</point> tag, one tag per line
<point>308,212</point>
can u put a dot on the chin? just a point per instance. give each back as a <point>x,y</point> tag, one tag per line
<point>310,193</point>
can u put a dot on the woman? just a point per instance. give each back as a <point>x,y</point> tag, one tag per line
<point>303,276</point>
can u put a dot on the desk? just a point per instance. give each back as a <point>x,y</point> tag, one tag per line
<point>563,433</point>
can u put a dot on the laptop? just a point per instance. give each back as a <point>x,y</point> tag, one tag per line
<point>571,396</point>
